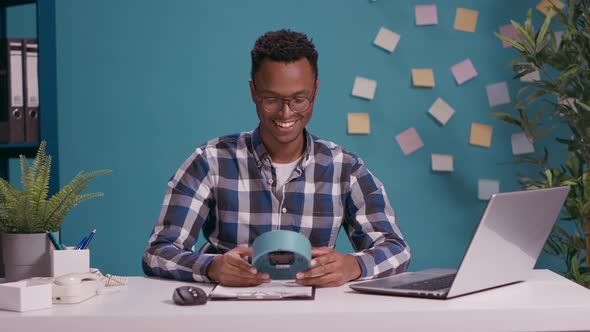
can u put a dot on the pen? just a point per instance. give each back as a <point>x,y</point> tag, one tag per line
<point>85,246</point>
<point>53,240</point>
<point>79,246</point>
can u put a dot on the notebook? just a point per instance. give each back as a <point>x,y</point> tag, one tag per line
<point>503,250</point>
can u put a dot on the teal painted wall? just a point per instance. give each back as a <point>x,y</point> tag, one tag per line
<point>142,83</point>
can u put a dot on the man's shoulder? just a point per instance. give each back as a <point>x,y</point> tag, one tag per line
<point>328,149</point>
<point>227,142</point>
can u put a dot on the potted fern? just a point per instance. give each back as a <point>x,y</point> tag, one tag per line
<point>25,215</point>
<point>563,87</point>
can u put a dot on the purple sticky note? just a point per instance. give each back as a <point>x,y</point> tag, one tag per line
<point>426,15</point>
<point>409,141</point>
<point>498,94</point>
<point>509,31</point>
<point>463,71</point>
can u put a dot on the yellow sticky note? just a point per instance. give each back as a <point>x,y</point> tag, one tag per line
<point>544,6</point>
<point>358,123</point>
<point>466,19</point>
<point>423,78</point>
<point>481,135</point>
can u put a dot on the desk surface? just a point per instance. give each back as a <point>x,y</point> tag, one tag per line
<point>546,302</point>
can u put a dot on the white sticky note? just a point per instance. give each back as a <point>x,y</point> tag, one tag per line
<point>386,39</point>
<point>521,144</point>
<point>498,94</point>
<point>485,188</point>
<point>441,111</point>
<point>531,77</point>
<point>364,88</point>
<point>558,37</point>
<point>442,162</point>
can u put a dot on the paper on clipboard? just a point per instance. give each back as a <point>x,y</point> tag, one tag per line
<point>274,290</point>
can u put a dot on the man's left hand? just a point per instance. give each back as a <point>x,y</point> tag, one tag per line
<point>329,268</point>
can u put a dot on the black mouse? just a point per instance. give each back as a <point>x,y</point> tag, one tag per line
<point>189,295</point>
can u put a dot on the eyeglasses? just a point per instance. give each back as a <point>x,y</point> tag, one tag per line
<point>297,104</point>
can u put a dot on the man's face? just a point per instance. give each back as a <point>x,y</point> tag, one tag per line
<point>283,80</point>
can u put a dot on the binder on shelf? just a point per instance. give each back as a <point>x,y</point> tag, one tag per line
<point>14,66</point>
<point>31,89</point>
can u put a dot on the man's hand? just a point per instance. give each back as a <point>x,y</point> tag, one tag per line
<point>230,269</point>
<point>329,268</point>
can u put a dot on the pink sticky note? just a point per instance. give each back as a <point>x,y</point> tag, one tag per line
<point>498,94</point>
<point>409,141</point>
<point>426,15</point>
<point>509,31</point>
<point>463,71</point>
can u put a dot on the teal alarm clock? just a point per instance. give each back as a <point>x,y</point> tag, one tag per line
<point>281,254</point>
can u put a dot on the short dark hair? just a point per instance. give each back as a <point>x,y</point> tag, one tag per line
<point>283,46</point>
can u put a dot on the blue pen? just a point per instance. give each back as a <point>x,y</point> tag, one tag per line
<point>79,246</point>
<point>54,240</point>
<point>85,246</point>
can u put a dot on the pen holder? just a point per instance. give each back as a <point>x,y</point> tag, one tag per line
<point>69,261</point>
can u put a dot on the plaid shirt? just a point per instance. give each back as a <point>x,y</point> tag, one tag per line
<point>227,189</point>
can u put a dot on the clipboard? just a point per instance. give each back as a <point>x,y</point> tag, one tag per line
<point>276,290</point>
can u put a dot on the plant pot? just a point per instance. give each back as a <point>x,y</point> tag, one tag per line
<point>26,255</point>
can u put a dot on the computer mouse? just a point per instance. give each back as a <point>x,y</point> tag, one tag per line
<point>189,295</point>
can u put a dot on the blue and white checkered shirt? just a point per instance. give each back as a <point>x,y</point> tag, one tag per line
<point>227,189</point>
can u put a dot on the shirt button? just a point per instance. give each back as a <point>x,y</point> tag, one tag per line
<point>284,210</point>
<point>270,181</point>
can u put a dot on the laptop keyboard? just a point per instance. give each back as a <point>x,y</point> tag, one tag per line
<point>429,284</point>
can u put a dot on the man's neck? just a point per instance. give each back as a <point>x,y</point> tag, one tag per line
<point>284,153</point>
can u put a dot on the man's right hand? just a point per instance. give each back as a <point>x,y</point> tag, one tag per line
<point>230,269</point>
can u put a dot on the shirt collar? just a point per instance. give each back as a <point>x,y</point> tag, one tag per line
<point>260,153</point>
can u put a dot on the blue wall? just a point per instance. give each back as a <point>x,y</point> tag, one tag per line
<point>142,83</point>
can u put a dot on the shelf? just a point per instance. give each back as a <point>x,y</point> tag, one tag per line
<point>14,150</point>
<point>8,3</point>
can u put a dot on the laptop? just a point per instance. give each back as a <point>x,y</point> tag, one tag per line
<point>503,250</point>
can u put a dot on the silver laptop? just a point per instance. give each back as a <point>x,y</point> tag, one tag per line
<point>503,250</point>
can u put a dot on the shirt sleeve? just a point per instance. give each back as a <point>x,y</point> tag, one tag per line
<point>169,253</point>
<point>371,227</point>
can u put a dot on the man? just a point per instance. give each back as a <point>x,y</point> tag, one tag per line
<point>278,176</point>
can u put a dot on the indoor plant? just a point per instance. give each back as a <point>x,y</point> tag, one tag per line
<point>564,88</point>
<point>26,214</point>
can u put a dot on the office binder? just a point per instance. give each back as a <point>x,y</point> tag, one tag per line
<point>31,90</point>
<point>14,67</point>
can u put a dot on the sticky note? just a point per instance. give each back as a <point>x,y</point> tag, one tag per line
<point>498,94</point>
<point>571,102</point>
<point>423,78</point>
<point>481,135</point>
<point>531,77</point>
<point>386,39</point>
<point>409,141</point>
<point>544,6</point>
<point>364,88</point>
<point>463,71</point>
<point>509,31</point>
<point>426,15</point>
<point>441,111</point>
<point>485,188</point>
<point>521,144</point>
<point>442,162</point>
<point>465,19</point>
<point>558,37</point>
<point>358,123</point>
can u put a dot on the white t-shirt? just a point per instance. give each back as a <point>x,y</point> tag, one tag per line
<point>284,171</point>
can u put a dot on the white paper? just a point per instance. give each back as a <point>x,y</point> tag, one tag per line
<point>273,289</point>
<point>442,162</point>
<point>485,188</point>
<point>521,144</point>
<point>441,111</point>
<point>364,88</point>
<point>386,39</point>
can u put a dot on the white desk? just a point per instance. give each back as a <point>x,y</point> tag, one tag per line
<point>546,302</point>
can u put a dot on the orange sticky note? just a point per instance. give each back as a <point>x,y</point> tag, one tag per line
<point>423,77</point>
<point>465,19</point>
<point>544,6</point>
<point>481,135</point>
<point>358,123</point>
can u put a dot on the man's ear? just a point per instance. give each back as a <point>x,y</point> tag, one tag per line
<point>252,91</point>
<point>317,86</point>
